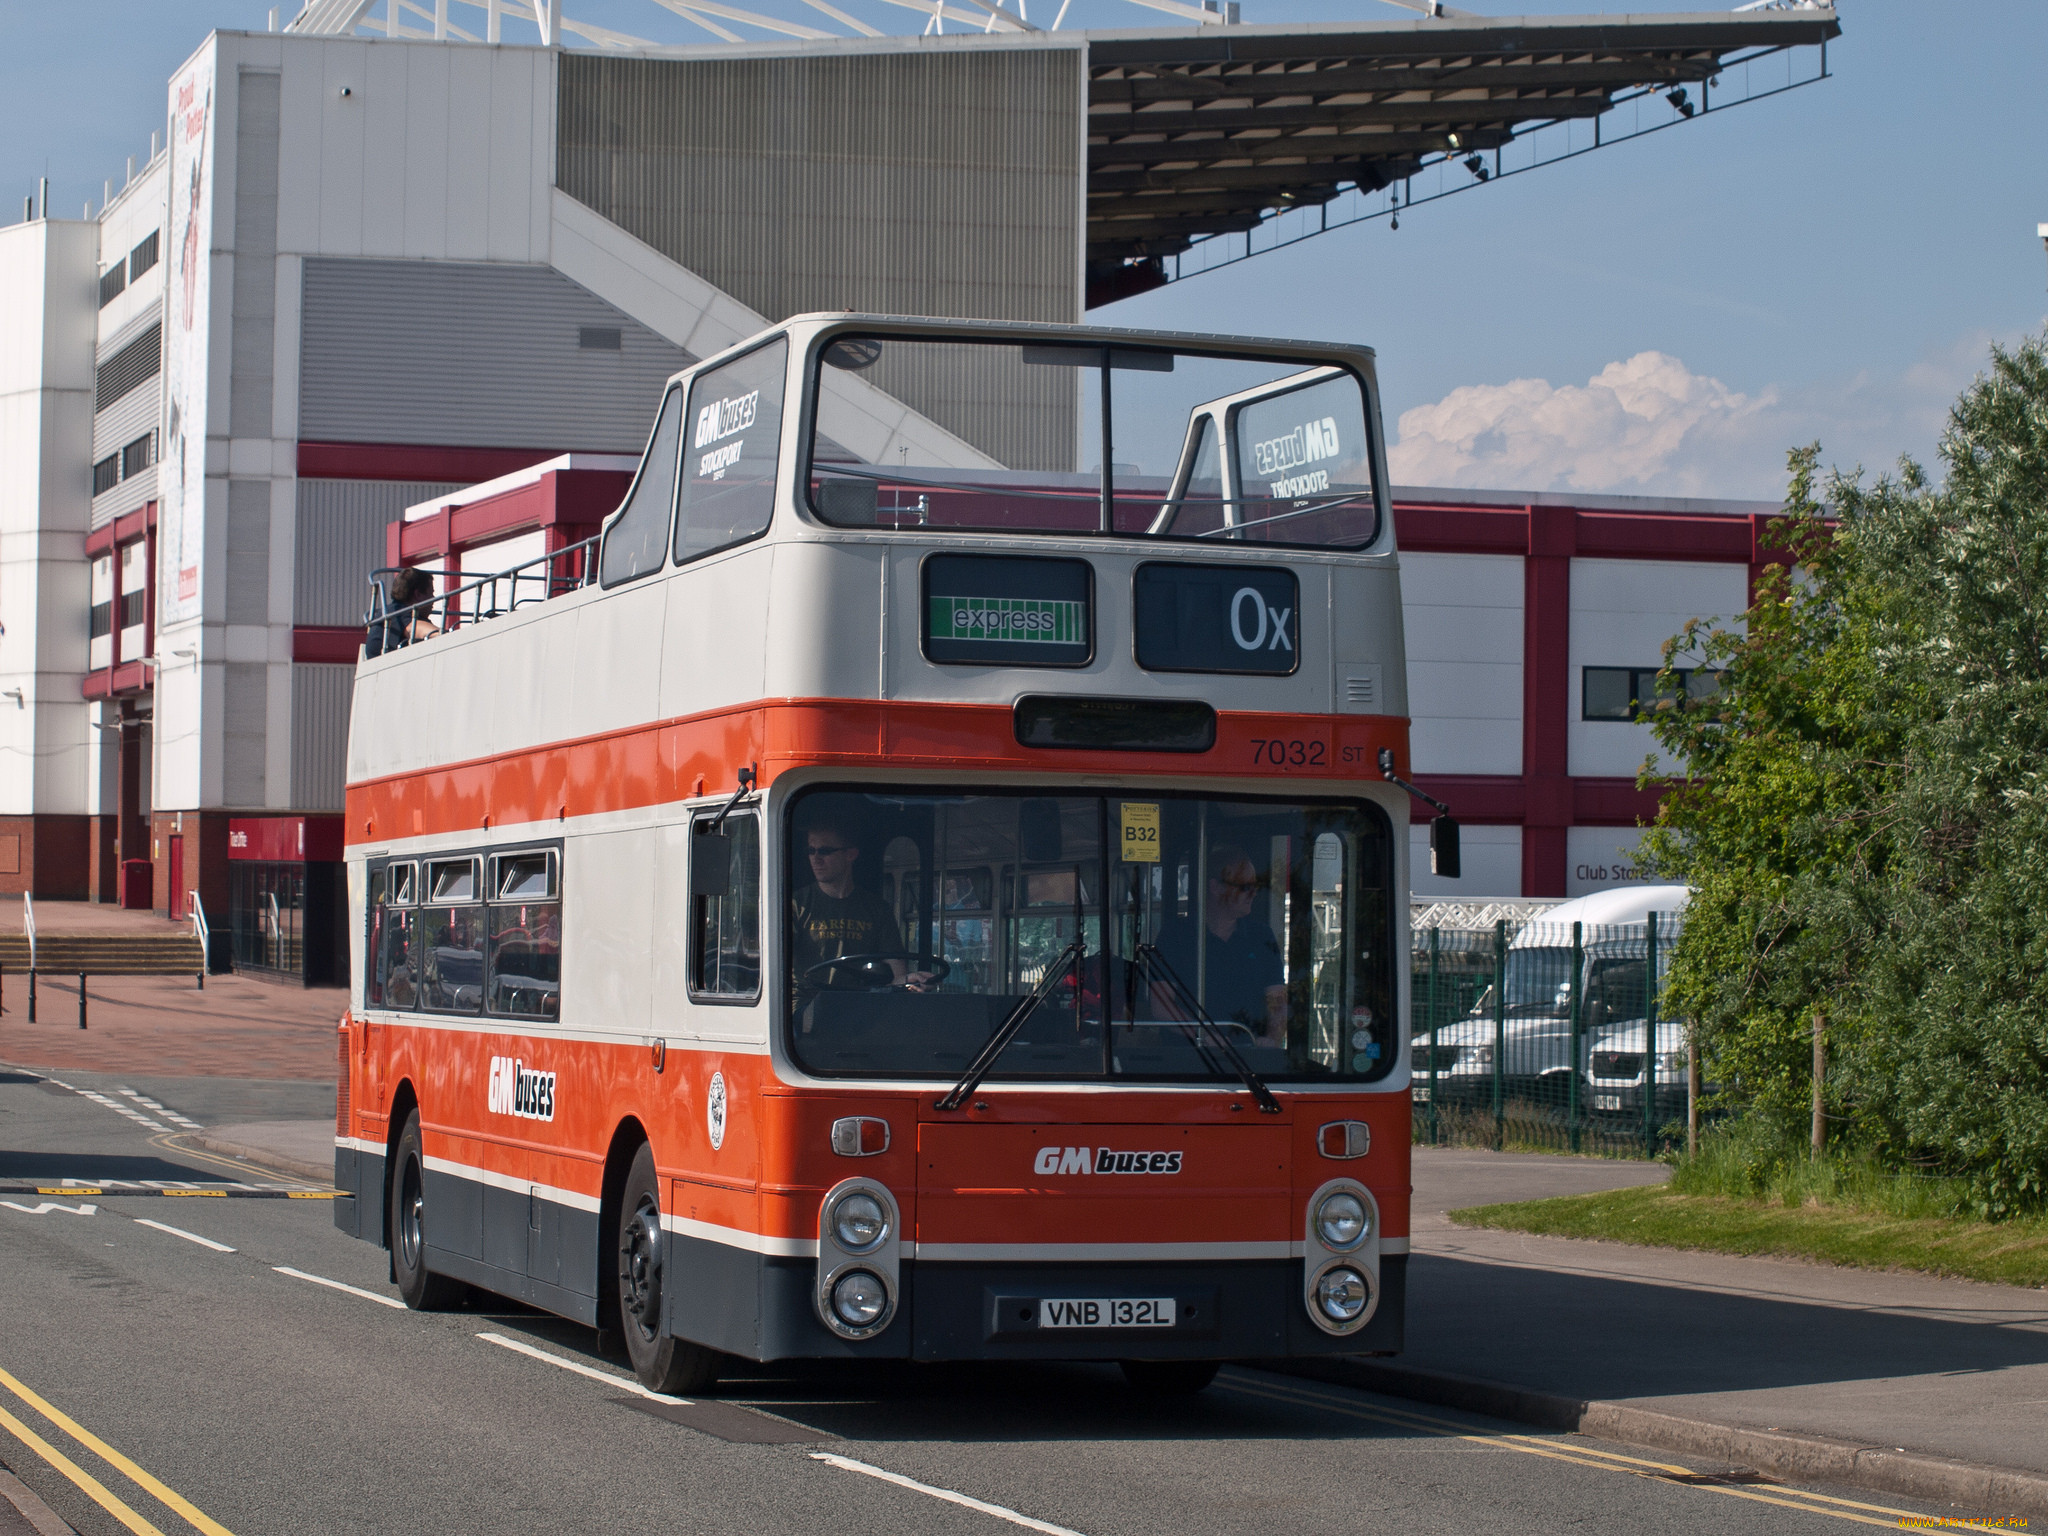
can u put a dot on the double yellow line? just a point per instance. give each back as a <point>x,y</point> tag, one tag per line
<point>1554,1449</point>
<point>91,1486</point>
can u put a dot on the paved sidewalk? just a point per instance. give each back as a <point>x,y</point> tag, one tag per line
<point>165,1026</point>
<point>1940,1367</point>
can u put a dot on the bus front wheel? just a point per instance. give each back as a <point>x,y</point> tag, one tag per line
<point>421,1288</point>
<point>663,1362</point>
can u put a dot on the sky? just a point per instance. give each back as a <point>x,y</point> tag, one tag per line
<point>1664,317</point>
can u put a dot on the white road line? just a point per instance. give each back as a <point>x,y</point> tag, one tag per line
<point>1011,1515</point>
<point>190,1237</point>
<point>336,1285</point>
<point>624,1383</point>
<point>44,1207</point>
<point>169,1114</point>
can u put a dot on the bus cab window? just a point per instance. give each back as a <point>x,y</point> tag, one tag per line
<point>633,543</point>
<point>525,934</point>
<point>725,931</point>
<point>735,441</point>
<point>452,938</point>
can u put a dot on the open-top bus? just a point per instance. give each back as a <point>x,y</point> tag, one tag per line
<point>921,884</point>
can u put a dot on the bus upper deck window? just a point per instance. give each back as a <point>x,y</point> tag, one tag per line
<point>633,543</point>
<point>1304,466</point>
<point>734,443</point>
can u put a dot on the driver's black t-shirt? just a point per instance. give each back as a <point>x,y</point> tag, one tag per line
<point>826,927</point>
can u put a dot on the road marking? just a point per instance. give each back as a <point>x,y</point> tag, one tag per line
<point>129,1189</point>
<point>114,1104</point>
<point>170,1497</point>
<point>336,1285</point>
<point>92,1487</point>
<point>1605,1461</point>
<point>44,1207</point>
<point>607,1377</point>
<point>846,1464</point>
<point>190,1237</point>
<point>169,1114</point>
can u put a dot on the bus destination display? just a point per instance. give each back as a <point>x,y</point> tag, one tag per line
<point>1216,618</point>
<point>1007,611</point>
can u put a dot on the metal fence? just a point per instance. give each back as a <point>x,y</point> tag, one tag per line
<point>1548,1036</point>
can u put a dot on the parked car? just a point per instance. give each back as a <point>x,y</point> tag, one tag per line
<point>1534,1035</point>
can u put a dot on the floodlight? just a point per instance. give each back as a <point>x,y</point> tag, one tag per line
<point>1679,102</point>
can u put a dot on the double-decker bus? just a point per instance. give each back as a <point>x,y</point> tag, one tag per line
<point>926,882</point>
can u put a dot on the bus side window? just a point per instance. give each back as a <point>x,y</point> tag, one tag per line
<point>633,542</point>
<point>725,931</point>
<point>735,441</point>
<point>394,970</point>
<point>451,938</point>
<point>525,935</point>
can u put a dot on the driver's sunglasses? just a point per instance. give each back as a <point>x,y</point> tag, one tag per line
<point>1238,887</point>
<point>826,853</point>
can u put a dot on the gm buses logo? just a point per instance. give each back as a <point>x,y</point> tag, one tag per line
<point>1307,444</point>
<point>518,1090</point>
<point>720,419</point>
<point>1103,1160</point>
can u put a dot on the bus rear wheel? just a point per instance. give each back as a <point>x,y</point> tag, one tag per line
<point>663,1362</point>
<point>422,1289</point>
<point>1170,1378</point>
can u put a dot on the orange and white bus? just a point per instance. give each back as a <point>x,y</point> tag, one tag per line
<point>921,884</point>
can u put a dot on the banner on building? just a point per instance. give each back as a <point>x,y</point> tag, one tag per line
<point>181,513</point>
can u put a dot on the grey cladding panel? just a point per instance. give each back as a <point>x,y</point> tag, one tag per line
<point>254,290</point>
<point>340,540</point>
<point>486,356</point>
<point>244,711</point>
<point>913,184</point>
<point>321,696</point>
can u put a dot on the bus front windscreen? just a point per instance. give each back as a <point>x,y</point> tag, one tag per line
<point>1208,928</point>
<point>925,433</point>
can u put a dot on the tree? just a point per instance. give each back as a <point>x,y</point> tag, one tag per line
<point>1863,812</point>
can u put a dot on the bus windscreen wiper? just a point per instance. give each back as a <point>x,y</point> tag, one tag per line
<point>985,1059</point>
<point>1148,955</point>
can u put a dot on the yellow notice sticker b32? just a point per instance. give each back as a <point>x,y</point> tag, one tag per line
<point>1141,832</point>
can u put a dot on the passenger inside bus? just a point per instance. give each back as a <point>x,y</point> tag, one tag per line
<point>1242,974</point>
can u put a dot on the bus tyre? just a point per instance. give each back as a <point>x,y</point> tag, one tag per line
<point>663,1362</point>
<point>1170,1378</point>
<point>423,1290</point>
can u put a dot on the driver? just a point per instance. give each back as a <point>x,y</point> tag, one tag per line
<point>832,916</point>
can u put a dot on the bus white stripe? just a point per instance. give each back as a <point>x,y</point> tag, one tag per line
<point>734,1237</point>
<point>517,1186</point>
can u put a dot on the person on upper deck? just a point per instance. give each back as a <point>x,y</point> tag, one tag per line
<point>409,587</point>
<point>1243,976</point>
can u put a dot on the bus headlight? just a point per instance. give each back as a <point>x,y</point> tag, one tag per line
<point>1342,1295</point>
<point>859,1224</point>
<point>1341,1220</point>
<point>859,1298</point>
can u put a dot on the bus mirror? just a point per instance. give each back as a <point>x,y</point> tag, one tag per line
<point>710,863</point>
<point>1038,831</point>
<point>1443,848</point>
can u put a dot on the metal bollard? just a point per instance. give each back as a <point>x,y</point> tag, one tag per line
<point>31,997</point>
<point>81,1001</point>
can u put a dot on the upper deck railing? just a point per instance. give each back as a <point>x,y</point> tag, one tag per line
<point>389,624</point>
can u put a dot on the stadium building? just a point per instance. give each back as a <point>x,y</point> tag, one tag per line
<point>374,264</point>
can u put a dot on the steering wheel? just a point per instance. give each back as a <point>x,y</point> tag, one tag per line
<point>819,975</point>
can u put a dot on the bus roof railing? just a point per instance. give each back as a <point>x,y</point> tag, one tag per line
<point>388,625</point>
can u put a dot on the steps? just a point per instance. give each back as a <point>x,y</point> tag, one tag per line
<point>104,954</point>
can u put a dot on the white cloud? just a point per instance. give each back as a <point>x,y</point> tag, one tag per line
<point>1647,425</point>
<point>1651,426</point>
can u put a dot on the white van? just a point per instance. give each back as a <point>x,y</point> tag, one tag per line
<point>1534,1035</point>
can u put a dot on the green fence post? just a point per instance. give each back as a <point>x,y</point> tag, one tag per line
<point>1435,1125</point>
<point>1571,1089</point>
<point>1650,1043</point>
<point>1500,1028</point>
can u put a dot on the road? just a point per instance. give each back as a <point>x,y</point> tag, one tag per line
<point>232,1363</point>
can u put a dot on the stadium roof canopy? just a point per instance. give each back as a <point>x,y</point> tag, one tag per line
<point>1194,135</point>
<point>1212,141</point>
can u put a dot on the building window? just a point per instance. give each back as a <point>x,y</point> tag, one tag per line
<point>138,455</point>
<point>143,257</point>
<point>106,474</point>
<point>131,608</point>
<point>1632,693</point>
<point>102,621</point>
<point>113,283</point>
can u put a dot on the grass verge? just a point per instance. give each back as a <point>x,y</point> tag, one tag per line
<point>2003,1253</point>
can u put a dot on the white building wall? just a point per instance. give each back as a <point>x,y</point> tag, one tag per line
<point>49,274</point>
<point>1622,613</point>
<point>1463,618</point>
<point>1490,860</point>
